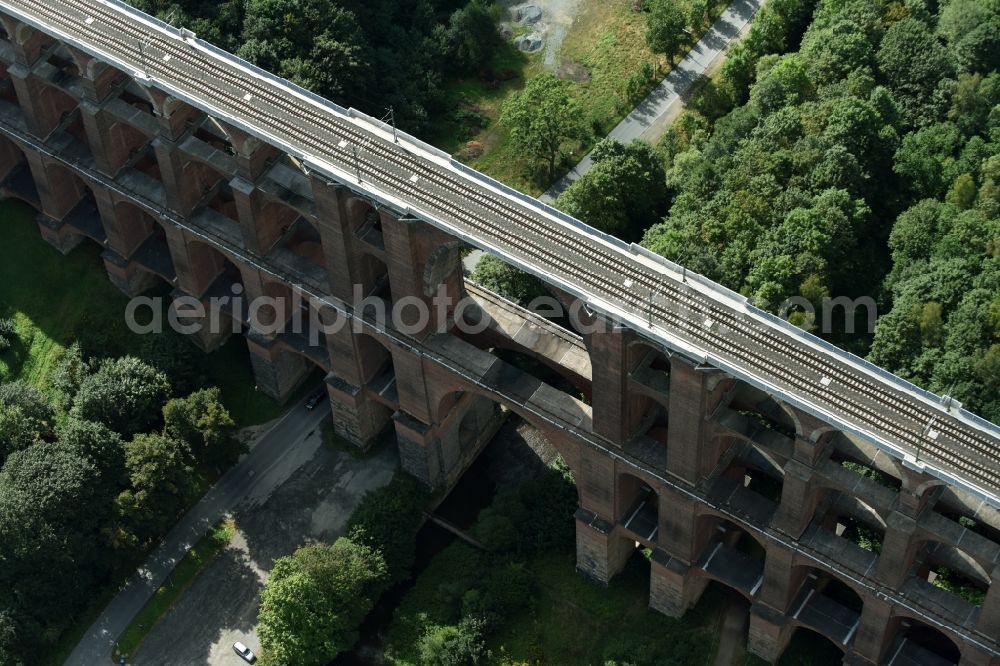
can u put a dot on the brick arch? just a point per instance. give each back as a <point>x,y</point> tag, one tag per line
<point>278,304</point>
<point>361,211</point>
<point>207,265</point>
<point>947,554</point>
<point>714,532</point>
<point>13,159</point>
<point>907,631</point>
<point>62,189</point>
<point>307,243</point>
<point>709,516</point>
<point>273,221</point>
<point>443,399</point>
<point>133,224</point>
<point>637,505</point>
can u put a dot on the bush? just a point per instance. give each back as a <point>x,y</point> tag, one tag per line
<point>387,519</point>
<point>125,394</point>
<point>69,374</point>
<point>508,588</point>
<point>538,515</point>
<point>459,645</point>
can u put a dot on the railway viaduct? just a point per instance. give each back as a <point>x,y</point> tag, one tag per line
<point>821,522</point>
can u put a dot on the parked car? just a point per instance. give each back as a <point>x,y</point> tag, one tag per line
<point>315,399</point>
<point>244,652</point>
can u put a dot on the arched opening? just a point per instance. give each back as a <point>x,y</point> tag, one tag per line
<point>639,508</point>
<point>876,467</point>
<point>751,482</point>
<point>826,605</point>
<point>850,518</point>
<point>648,409</point>
<point>16,179</point>
<point>145,240</point>
<point>731,555</point>
<point>63,67</point>
<point>211,134</point>
<point>969,512</point>
<point>299,249</point>
<point>377,368</point>
<point>273,223</point>
<point>219,281</point>
<point>531,365</point>
<point>366,223</point>
<point>919,643</point>
<point>71,200</point>
<point>145,161</point>
<point>764,413</point>
<point>134,96</point>
<point>809,647</point>
<point>951,569</point>
<point>373,276</point>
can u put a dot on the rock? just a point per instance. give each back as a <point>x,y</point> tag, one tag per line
<point>529,43</point>
<point>506,30</point>
<point>527,14</point>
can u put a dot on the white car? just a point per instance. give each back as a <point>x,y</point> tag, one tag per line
<point>244,652</point>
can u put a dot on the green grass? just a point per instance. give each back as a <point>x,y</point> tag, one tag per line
<point>573,620</point>
<point>179,580</point>
<point>608,40</point>
<point>54,298</point>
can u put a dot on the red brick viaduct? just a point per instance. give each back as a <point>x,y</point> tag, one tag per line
<point>721,481</point>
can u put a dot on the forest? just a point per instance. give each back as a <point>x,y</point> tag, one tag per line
<point>370,54</point>
<point>93,473</point>
<point>847,148</point>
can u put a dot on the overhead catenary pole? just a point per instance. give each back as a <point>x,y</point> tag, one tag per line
<point>142,57</point>
<point>357,162</point>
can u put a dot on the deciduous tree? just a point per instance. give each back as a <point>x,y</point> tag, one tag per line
<point>543,117</point>
<point>315,600</point>
<point>125,394</point>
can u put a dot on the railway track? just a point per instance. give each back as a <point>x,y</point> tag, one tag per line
<point>736,337</point>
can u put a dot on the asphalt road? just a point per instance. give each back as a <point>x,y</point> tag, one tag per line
<point>221,605</point>
<point>675,86</point>
<point>278,453</point>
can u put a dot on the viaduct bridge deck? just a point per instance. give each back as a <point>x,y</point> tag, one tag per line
<point>685,312</point>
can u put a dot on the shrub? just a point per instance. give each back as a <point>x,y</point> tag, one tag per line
<point>69,374</point>
<point>458,645</point>
<point>125,394</point>
<point>387,519</point>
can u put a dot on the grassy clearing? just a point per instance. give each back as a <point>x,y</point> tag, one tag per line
<point>183,575</point>
<point>576,621</point>
<point>54,298</point>
<point>605,44</point>
<point>572,621</point>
